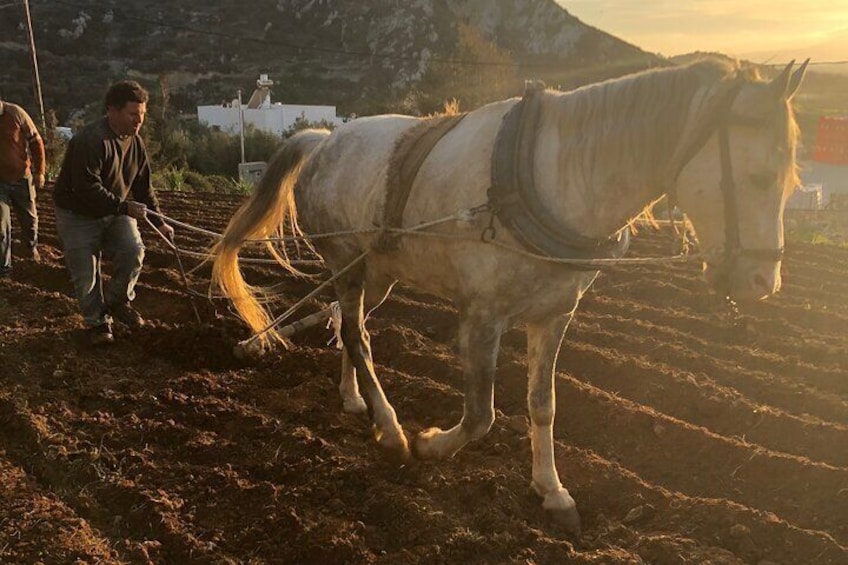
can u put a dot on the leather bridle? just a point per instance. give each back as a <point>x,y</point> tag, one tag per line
<point>733,248</point>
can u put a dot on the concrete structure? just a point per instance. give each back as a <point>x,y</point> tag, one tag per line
<point>264,115</point>
<point>252,171</point>
<point>806,197</point>
<point>833,180</point>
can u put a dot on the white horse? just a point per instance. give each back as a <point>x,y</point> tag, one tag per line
<point>714,136</point>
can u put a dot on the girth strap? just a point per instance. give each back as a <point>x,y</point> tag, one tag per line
<point>409,153</point>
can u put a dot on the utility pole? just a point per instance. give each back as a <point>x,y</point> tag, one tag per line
<point>36,80</point>
<point>241,124</point>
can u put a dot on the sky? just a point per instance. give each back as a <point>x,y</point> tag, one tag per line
<point>734,27</point>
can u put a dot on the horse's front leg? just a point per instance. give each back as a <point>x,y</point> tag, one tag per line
<point>543,342</point>
<point>479,340</point>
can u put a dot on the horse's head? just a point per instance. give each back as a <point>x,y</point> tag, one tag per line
<point>735,184</point>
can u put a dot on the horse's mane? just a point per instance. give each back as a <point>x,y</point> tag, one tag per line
<point>640,121</point>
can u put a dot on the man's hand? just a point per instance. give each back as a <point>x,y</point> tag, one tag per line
<point>167,231</point>
<point>136,210</point>
<point>38,181</point>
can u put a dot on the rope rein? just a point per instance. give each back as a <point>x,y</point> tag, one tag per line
<point>250,345</point>
<point>464,215</point>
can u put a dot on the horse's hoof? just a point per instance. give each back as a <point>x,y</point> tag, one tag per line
<point>423,446</point>
<point>568,520</point>
<point>248,350</point>
<point>394,447</point>
<point>355,405</point>
<point>562,510</point>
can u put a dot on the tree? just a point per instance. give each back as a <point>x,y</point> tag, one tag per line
<point>477,73</point>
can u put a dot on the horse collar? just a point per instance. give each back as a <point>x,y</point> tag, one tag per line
<point>515,201</point>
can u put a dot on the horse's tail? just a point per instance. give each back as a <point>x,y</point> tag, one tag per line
<point>262,215</point>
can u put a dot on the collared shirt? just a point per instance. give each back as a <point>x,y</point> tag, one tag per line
<point>21,147</point>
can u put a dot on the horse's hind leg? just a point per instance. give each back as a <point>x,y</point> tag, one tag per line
<point>543,342</point>
<point>479,340</point>
<point>352,401</point>
<point>357,342</point>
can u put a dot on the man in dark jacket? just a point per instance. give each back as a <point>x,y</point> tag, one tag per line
<point>102,192</point>
<point>22,167</point>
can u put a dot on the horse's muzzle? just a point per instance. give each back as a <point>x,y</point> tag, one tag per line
<point>744,279</point>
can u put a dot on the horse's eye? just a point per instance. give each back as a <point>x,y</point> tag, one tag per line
<point>762,181</point>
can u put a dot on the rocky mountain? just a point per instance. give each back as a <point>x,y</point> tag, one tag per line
<point>363,56</point>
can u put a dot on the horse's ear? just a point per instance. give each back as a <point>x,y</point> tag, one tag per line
<point>795,81</point>
<point>780,85</point>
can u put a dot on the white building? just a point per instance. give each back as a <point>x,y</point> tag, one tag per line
<point>259,112</point>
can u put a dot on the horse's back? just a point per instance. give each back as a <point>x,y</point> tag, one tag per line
<point>347,178</point>
<point>342,186</point>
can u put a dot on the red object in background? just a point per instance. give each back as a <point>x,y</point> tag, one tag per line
<point>832,141</point>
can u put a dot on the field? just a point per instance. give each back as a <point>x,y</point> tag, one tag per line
<point>686,436</point>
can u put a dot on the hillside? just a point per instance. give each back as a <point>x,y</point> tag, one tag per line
<point>362,57</point>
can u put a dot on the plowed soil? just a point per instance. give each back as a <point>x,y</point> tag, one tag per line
<point>685,435</point>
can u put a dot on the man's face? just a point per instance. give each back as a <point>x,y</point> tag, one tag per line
<point>127,120</point>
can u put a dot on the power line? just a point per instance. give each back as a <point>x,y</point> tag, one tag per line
<point>811,63</point>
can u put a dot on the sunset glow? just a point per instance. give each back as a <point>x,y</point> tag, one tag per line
<point>754,27</point>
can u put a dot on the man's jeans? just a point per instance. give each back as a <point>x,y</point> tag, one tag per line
<point>85,240</point>
<point>19,196</point>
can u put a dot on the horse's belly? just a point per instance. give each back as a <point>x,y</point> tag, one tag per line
<point>474,274</point>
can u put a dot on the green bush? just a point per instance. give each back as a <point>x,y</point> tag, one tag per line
<point>187,155</point>
<point>238,186</point>
<point>197,182</point>
<point>220,183</point>
<point>54,146</point>
<point>174,179</point>
<point>213,152</point>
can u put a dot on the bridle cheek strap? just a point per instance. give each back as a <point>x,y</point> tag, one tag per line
<point>733,248</point>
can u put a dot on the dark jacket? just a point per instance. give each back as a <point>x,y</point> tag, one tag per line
<point>102,171</point>
<point>17,135</point>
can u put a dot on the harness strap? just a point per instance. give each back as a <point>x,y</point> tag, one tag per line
<point>728,191</point>
<point>732,242</point>
<point>409,154</point>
